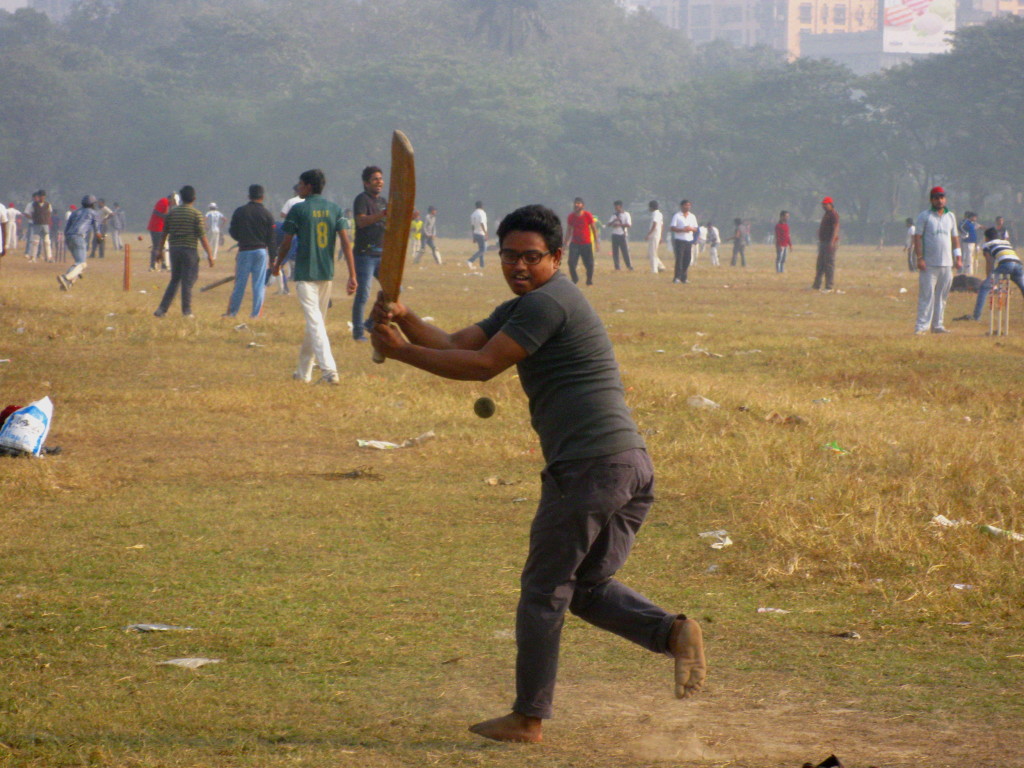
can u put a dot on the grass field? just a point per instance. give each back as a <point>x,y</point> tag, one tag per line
<point>367,621</point>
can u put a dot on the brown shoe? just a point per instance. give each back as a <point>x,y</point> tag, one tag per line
<point>686,646</point>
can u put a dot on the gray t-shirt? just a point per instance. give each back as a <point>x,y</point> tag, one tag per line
<point>577,403</point>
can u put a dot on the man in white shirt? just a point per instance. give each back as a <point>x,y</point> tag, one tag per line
<point>478,222</point>
<point>654,237</point>
<point>620,223</point>
<point>937,245</point>
<point>3,229</point>
<point>213,219</point>
<point>684,233</point>
<point>714,238</point>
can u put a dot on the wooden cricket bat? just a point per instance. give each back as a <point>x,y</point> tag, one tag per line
<point>402,197</point>
<point>216,283</point>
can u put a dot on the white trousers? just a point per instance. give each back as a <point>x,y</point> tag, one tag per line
<point>314,298</point>
<point>933,290</point>
<point>653,241</point>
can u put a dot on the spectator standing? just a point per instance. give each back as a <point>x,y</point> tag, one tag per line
<point>183,231</point>
<point>937,246</point>
<point>828,243</point>
<point>155,227</point>
<point>117,225</point>
<point>620,222</point>
<point>654,237</point>
<point>909,245</point>
<point>370,209</point>
<point>581,238</point>
<point>684,231</point>
<point>252,227</point>
<point>3,230</point>
<point>213,221</point>
<point>314,223</point>
<point>969,241</point>
<point>714,240</point>
<point>98,246</point>
<point>739,243</point>
<point>1003,230</point>
<point>40,214</point>
<point>478,229</point>
<point>782,241</point>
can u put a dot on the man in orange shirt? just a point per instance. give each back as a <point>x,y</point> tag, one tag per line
<point>581,238</point>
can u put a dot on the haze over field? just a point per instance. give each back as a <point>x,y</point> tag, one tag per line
<point>505,100</point>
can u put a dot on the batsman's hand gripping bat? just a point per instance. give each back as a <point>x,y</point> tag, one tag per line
<point>402,196</point>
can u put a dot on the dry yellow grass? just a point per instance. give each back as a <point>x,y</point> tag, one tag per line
<point>366,622</point>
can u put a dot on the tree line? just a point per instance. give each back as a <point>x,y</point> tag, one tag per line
<point>506,101</point>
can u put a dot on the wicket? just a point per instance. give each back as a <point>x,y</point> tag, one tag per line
<point>999,308</point>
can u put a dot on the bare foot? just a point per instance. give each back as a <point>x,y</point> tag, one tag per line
<point>511,727</point>
<point>686,645</point>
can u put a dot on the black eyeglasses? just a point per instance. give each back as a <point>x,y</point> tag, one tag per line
<point>531,258</point>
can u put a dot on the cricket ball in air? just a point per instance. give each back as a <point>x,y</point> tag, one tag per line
<point>484,407</point>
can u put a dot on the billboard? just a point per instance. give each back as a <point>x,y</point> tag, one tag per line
<point>918,26</point>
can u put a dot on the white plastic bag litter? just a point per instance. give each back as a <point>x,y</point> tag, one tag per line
<point>25,430</point>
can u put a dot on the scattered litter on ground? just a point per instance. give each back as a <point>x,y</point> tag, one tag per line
<point>697,349</point>
<point>241,327</point>
<point>25,428</point>
<point>823,400</point>
<point>519,500</point>
<point>189,663</point>
<point>619,311</point>
<point>848,635</point>
<point>427,319</point>
<point>19,330</point>
<point>717,539</point>
<point>713,568</point>
<point>5,360</point>
<point>136,546</point>
<point>252,344</point>
<point>111,314</point>
<point>659,351</point>
<point>834,447</point>
<point>944,522</point>
<point>963,587</point>
<point>504,634</point>
<point>359,473</point>
<point>773,610</point>
<point>141,291</point>
<point>697,401</point>
<point>383,445</point>
<point>109,328</point>
<point>903,290</point>
<point>495,480</point>
<point>999,533</point>
<point>749,352</point>
<point>157,628</point>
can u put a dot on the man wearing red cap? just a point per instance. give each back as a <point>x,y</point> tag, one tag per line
<point>828,241</point>
<point>937,247</point>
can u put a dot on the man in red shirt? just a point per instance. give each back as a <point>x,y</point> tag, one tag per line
<point>782,241</point>
<point>581,238</point>
<point>156,231</point>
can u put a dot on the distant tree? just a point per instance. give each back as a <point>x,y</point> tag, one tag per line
<point>510,24</point>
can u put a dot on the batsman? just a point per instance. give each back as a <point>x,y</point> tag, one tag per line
<point>598,482</point>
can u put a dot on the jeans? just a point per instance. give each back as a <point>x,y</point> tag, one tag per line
<point>98,247</point>
<point>481,248</point>
<point>683,250</point>
<point>933,290</point>
<point>428,242</point>
<point>184,273</point>
<point>1012,269</point>
<point>586,252</point>
<point>249,263</point>
<point>315,298</point>
<point>620,243</point>
<point>589,513</point>
<point>76,244</point>
<point>781,252</point>
<point>367,268</point>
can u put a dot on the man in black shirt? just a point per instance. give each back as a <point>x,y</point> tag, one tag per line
<point>252,227</point>
<point>370,209</point>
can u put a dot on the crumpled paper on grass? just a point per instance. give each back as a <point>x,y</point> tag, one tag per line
<point>194,662</point>
<point>717,539</point>
<point>383,445</point>
<point>157,628</point>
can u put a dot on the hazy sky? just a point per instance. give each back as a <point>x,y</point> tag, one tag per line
<point>10,5</point>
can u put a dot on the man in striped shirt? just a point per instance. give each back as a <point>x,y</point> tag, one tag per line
<point>183,231</point>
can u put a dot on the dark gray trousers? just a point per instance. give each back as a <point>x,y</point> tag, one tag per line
<point>184,273</point>
<point>589,513</point>
<point>826,266</point>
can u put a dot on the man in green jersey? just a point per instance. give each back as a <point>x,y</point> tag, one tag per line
<point>315,222</point>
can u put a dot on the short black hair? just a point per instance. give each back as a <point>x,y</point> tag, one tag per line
<point>683,202</point>
<point>617,202</point>
<point>737,221</point>
<point>909,222</point>
<point>479,204</point>
<point>534,218</point>
<point>991,233</point>
<point>315,179</point>
<point>256,192</point>
<point>653,205</point>
<point>369,170</point>
<point>431,209</point>
<point>577,200</point>
<point>782,213</point>
<point>188,194</point>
